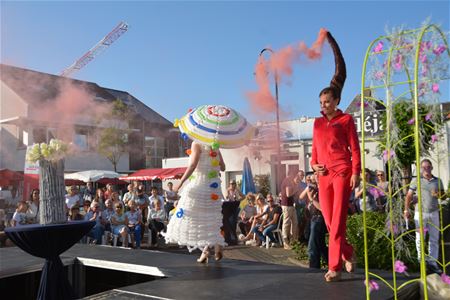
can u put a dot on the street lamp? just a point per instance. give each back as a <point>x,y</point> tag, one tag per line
<point>278,123</point>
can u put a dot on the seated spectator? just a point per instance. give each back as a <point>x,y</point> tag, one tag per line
<point>155,196</point>
<point>100,197</point>
<point>20,215</point>
<point>246,213</point>
<point>134,222</point>
<point>269,224</point>
<point>74,214</point>
<point>381,191</point>
<point>86,207</point>
<point>119,223</point>
<point>107,213</point>
<point>260,207</point>
<point>95,214</point>
<point>33,207</point>
<point>130,195</point>
<point>73,198</point>
<point>142,201</point>
<point>156,217</point>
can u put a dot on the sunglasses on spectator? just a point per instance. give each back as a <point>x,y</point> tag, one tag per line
<point>118,206</point>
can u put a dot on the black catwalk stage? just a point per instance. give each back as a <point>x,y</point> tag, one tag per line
<point>120,273</point>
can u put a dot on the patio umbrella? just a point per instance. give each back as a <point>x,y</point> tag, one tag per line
<point>248,185</point>
<point>216,126</point>
<point>92,175</point>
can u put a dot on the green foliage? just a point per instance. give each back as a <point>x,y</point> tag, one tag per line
<point>262,184</point>
<point>300,250</point>
<point>113,140</point>
<point>403,113</point>
<point>379,247</point>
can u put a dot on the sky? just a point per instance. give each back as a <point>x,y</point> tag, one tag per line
<point>179,55</point>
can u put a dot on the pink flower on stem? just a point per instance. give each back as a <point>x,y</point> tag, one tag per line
<point>379,75</point>
<point>445,278</point>
<point>373,285</point>
<point>424,70</point>
<point>385,154</point>
<point>434,138</point>
<point>400,267</point>
<point>378,48</point>
<point>428,116</point>
<point>411,121</point>
<point>394,227</point>
<point>425,230</point>
<point>423,58</point>
<point>435,88</point>
<point>439,49</point>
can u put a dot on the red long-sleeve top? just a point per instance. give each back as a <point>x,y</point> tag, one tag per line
<point>335,143</point>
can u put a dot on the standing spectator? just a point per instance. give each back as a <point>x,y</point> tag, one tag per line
<point>134,222</point>
<point>431,191</point>
<point>20,215</point>
<point>336,159</point>
<point>107,214</point>
<point>171,196</point>
<point>156,217</point>
<point>230,211</point>
<point>33,207</point>
<point>95,214</point>
<point>317,247</point>
<point>89,192</point>
<point>289,189</point>
<point>100,197</point>
<point>73,198</point>
<point>269,224</point>
<point>371,204</point>
<point>155,196</point>
<point>109,190</point>
<point>382,191</point>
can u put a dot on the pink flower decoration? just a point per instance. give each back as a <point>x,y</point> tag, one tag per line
<point>425,230</point>
<point>373,285</point>
<point>439,50</point>
<point>378,48</point>
<point>379,75</point>
<point>435,88</point>
<point>434,138</point>
<point>424,70</point>
<point>428,117</point>
<point>423,58</point>
<point>400,267</point>
<point>374,192</point>
<point>394,227</point>
<point>411,121</point>
<point>385,155</point>
<point>445,278</point>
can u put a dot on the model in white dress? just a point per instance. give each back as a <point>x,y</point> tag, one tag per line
<point>198,217</point>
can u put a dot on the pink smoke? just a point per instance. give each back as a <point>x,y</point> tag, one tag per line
<point>280,65</point>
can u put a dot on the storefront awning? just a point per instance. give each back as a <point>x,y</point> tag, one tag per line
<point>153,174</point>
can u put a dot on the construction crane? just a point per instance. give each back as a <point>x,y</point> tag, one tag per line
<point>96,50</point>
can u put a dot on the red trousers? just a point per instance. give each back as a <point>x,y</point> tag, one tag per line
<point>334,195</point>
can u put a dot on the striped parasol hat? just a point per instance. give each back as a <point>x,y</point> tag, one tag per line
<point>217,126</point>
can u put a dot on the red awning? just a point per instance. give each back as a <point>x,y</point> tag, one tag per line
<point>7,177</point>
<point>153,174</point>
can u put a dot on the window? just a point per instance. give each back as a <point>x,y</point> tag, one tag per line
<point>80,138</point>
<point>39,135</point>
<point>155,150</point>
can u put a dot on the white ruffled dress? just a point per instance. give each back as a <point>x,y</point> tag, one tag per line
<point>198,217</point>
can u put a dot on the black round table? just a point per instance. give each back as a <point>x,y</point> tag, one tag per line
<point>49,241</point>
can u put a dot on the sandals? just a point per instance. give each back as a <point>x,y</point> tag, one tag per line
<point>204,257</point>
<point>332,276</point>
<point>350,265</point>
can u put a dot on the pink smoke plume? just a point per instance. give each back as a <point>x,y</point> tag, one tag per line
<point>280,65</point>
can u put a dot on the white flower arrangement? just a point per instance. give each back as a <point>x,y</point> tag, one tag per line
<point>53,151</point>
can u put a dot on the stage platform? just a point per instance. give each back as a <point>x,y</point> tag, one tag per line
<point>178,276</point>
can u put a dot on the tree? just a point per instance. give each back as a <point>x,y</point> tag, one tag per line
<point>113,140</point>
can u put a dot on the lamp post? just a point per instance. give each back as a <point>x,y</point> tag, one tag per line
<point>278,123</point>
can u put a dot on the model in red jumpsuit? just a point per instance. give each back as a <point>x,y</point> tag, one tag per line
<point>336,159</point>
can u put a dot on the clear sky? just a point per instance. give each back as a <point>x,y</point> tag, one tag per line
<point>179,55</point>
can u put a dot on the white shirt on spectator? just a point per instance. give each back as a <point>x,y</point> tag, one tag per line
<point>20,218</point>
<point>151,198</point>
<point>72,200</point>
<point>133,217</point>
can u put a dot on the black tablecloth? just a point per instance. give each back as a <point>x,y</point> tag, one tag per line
<point>49,241</point>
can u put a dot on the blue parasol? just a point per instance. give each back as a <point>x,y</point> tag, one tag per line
<point>248,185</point>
